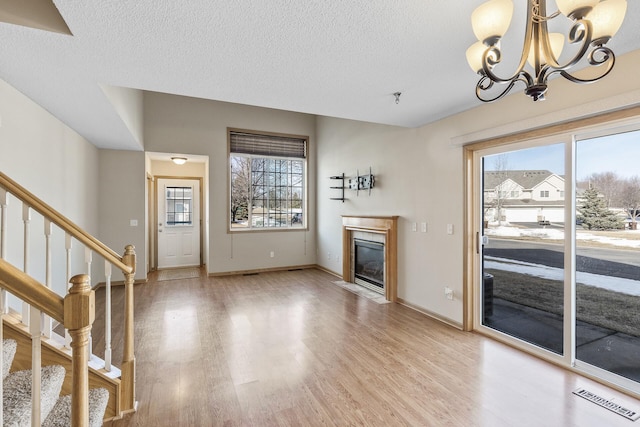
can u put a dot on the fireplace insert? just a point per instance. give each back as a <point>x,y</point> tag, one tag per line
<point>369,264</point>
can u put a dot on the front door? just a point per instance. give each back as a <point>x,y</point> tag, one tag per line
<point>178,222</point>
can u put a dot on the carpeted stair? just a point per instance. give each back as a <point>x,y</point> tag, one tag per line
<point>55,409</point>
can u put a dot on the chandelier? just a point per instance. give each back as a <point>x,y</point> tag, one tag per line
<point>593,24</point>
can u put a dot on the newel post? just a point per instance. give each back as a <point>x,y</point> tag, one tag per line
<point>128,357</point>
<point>79,314</point>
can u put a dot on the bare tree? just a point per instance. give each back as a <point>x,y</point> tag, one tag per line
<point>609,185</point>
<point>496,198</point>
<point>630,198</point>
<point>240,187</point>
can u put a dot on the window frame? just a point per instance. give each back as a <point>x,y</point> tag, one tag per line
<point>305,180</point>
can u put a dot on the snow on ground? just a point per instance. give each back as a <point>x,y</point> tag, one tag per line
<point>617,284</point>
<point>558,234</point>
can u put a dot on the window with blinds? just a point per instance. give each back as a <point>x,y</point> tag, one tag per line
<point>268,174</point>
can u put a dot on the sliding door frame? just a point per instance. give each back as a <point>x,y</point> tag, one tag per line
<point>567,133</point>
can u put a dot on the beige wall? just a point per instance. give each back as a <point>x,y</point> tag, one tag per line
<point>175,124</point>
<point>419,176</point>
<point>122,199</point>
<point>127,103</point>
<point>58,166</point>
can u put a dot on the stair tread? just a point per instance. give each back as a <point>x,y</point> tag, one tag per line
<point>9,348</point>
<point>60,415</point>
<point>16,399</point>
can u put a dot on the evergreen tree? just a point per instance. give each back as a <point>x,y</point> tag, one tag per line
<point>595,214</point>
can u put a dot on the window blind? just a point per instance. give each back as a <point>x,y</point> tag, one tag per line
<point>268,145</point>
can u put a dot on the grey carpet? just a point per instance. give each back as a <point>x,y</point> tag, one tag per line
<point>9,348</point>
<point>60,416</point>
<point>16,399</point>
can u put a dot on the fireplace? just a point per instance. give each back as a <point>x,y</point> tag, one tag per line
<point>377,236</point>
<point>369,264</point>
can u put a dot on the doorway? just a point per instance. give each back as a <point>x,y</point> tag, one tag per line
<point>178,222</point>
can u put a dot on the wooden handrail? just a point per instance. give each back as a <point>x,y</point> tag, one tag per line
<point>63,222</point>
<point>31,291</point>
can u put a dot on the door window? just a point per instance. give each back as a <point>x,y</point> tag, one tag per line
<point>179,206</point>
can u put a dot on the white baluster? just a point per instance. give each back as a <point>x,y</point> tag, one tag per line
<point>68,245</point>
<point>47,323</point>
<point>107,317</point>
<point>4,201</point>
<point>88,257</point>
<point>26,219</point>
<point>36,365</point>
<point>3,294</point>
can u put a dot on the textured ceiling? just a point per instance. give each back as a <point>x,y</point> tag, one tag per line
<point>335,58</point>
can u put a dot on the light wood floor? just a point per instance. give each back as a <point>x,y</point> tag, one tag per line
<point>293,349</point>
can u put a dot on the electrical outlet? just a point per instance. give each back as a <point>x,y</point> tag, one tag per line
<point>448,292</point>
<point>272,254</point>
<point>414,226</point>
<point>423,227</point>
<point>449,228</point>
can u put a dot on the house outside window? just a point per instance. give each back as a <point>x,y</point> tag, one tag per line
<point>178,210</point>
<point>267,181</point>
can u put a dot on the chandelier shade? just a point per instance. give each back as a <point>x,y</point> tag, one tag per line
<point>557,43</point>
<point>592,24</point>
<point>606,18</point>
<point>491,19</point>
<point>571,8</point>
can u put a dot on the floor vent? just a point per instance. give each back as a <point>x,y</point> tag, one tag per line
<point>294,269</point>
<point>608,404</point>
<point>250,274</point>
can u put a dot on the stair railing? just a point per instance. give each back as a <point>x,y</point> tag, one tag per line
<point>126,264</point>
<point>77,312</point>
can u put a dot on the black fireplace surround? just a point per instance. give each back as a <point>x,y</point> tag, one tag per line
<point>369,262</point>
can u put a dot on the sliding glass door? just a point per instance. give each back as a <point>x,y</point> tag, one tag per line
<point>558,245</point>
<point>523,253</point>
<point>608,253</point>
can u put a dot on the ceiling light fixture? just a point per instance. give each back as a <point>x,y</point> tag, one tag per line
<point>594,23</point>
<point>179,160</point>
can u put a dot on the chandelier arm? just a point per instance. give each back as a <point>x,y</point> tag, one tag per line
<point>485,84</point>
<point>581,31</point>
<point>609,59</point>
<point>480,89</point>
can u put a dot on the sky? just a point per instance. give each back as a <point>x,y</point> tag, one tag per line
<point>619,153</point>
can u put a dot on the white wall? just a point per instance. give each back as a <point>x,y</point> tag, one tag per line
<point>175,124</point>
<point>58,166</point>
<point>419,176</point>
